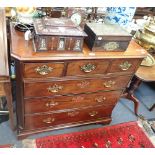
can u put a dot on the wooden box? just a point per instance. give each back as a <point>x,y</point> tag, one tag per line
<point>57,34</point>
<point>106,37</point>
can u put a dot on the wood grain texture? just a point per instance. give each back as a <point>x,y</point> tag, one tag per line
<point>72,116</point>
<point>40,105</point>
<point>33,89</point>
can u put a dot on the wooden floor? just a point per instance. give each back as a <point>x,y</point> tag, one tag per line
<point>123,112</point>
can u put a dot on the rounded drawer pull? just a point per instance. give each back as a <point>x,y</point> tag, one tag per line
<point>43,70</point>
<point>109,84</point>
<point>100,99</point>
<point>55,88</point>
<point>48,120</point>
<point>72,114</point>
<point>88,68</point>
<point>51,104</point>
<point>93,113</point>
<point>125,65</point>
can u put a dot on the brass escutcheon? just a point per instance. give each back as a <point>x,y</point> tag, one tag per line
<point>48,120</point>
<point>43,70</point>
<point>88,68</point>
<point>110,46</point>
<point>93,113</point>
<point>54,89</point>
<point>125,65</point>
<point>51,104</point>
<point>100,99</point>
<point>109,84</point>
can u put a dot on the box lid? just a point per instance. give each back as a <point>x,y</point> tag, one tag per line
<point>102,29</point>
<point>57,26</point>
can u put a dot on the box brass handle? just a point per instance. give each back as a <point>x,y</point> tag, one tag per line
<point>51,104</point>
<point>109,84</point>
<point>100,99</point>
<point>54,89</point>
<point>43,70</point>
<point>48,120</point>
<point>88,68</point>
<point>125,65</point>
<point>93,113</point>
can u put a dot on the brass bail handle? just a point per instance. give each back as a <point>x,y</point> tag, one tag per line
<point>55,88</point>
<point>109,84</point>
<point>43,70</point>
<point>93,113</point>
<point>88,68</point>
<point>125,65</point>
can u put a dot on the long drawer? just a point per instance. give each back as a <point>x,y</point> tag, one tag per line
<point>74,116</point>
<point>46,88</point>
<point>68,102</point>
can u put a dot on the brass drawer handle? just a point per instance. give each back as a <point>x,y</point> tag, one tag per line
<point>48,120</point>
<point>100,99</point>
<point>93,113</point>
<point>43,70</point>
<point>125,65</point>
<point>54,89</point>
<point>72,114</point>
<point>88,68</point>
<point>109,84</point>
<point>51,104</point>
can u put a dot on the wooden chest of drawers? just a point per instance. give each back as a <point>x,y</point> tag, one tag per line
<point>58,90</point>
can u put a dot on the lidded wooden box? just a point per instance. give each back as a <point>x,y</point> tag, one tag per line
<point>57,34</point>
<point>106,37</point>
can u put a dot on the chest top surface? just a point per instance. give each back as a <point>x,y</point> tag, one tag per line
<point>23,50</point>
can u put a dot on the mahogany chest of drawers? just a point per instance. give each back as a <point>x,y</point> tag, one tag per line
<point>59,90</point>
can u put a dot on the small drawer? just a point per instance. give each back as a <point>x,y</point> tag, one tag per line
<point>70,102</point>
<point>83,85</point>
<point>124,65</point>
<point>64,118</point>
<point>87,67</point>
<point>43,70</point>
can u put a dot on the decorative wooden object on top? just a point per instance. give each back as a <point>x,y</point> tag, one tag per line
<point>106,37</point>
<point>57,34</point>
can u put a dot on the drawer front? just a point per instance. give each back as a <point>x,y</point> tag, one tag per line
<point>43,70</point>
<point>87,67</point>
<point>74,116</point>
<point>2,92</point>
<point>74,86</point>
<point>124,65</point>
<point>69,102</point>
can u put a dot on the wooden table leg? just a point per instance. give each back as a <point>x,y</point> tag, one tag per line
<point>153,106</point>
<point>129,93</point>
<point>8,92</point>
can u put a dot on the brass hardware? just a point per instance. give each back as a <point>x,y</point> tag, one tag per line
<point>125,65</point>
<point>100,99</point>
<point>109,84</point>
<point>110,46</point>
<point>131,138</point>
<point>88,68</point>
<point>51,104</point>
<point>54,89</point>
<point>48,120</point>
<point>43,70</point>
<point>120,141</point>
<point>83,84</point>
<point>93,113</point>
<point>77,99</point>
<point>72,114</point>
